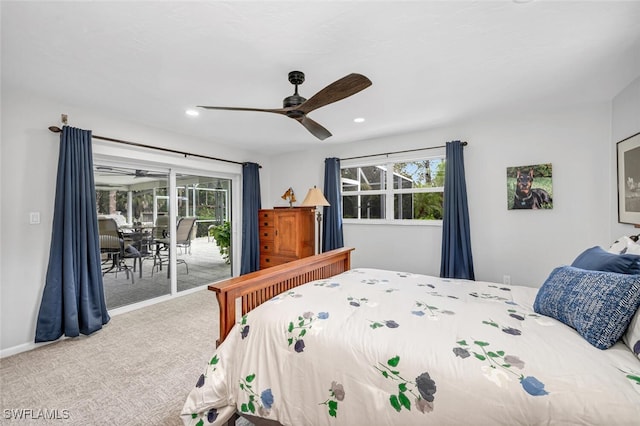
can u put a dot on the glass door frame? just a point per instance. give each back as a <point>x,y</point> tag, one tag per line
<point>193,167</point>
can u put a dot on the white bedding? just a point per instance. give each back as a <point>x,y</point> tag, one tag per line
<point>373,347</point>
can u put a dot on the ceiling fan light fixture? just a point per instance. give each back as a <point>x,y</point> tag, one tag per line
<point>359,120</point>
<point>192,112</point>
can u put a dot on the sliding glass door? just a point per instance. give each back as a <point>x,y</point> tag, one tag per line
<point>149,254</point>
<point>132,200</point>
<point>205,256</point>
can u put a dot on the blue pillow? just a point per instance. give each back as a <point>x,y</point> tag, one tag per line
<point>599,305</point>
<point>598,259</point>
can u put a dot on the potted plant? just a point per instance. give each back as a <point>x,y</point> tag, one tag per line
<point>222,235</point>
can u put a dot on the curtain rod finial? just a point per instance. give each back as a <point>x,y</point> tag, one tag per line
<point>55,129</point>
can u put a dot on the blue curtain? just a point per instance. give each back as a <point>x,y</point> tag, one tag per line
<point>250,205</point>
<point>456,261</point>
<point>73,299</point>
<point>332,225</point>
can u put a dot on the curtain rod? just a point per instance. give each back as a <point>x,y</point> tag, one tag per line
<point>56,129</point>
<point>465,143</point>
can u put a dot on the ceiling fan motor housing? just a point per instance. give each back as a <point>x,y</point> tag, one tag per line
<point>293,100</point>
<point>295,78</point>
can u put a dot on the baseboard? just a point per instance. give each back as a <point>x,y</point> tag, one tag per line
<point>113,312</point>
<point>24,348</point>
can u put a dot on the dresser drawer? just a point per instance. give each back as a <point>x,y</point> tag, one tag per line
<point>266,246</point>
<point>266,233</point>
<point>265,219</point>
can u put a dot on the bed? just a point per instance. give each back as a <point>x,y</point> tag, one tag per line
<point>313,342</point>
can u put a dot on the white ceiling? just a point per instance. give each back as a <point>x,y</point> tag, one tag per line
<point>431,62</point>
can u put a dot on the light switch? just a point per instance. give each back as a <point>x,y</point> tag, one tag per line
<point>34,218</point>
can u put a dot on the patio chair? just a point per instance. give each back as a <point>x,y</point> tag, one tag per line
<point>156,247</point>
<point>112,248</point>
<point>184,231</point>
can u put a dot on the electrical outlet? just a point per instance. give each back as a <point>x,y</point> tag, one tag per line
<point>506,279</point>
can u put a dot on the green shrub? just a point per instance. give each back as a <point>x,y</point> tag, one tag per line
<point>222,235</point>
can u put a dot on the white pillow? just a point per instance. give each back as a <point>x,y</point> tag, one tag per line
<point>624,245</point>
<point>632,336</point>
<point>633,248</point>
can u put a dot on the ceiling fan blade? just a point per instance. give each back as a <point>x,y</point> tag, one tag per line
<point>339,89</point>
<point>274,110</point>
<point>316,129</point>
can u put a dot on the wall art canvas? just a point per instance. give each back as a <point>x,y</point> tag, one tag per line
<point>629,180</point>
<point>530,187</point>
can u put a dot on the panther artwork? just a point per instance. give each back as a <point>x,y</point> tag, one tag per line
<point>527,197</point>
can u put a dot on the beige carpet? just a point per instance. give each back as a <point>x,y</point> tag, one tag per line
<point>136,371</point>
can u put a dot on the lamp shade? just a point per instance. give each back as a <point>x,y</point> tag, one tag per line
<point>314,198</point>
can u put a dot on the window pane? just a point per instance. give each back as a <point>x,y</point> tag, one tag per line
<point>349,179</point>
<point>143,205</point>
<point>372,207</point>
<point>369,178</point>
<point>425,206</point>
<point>134,198</point>
<point>204,246</point>
<point>419,174</point>
<point>350,207</point>
<point>372,178</point>
<point>110,202</point>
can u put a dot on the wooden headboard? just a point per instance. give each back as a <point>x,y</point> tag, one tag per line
<point>258,287</point>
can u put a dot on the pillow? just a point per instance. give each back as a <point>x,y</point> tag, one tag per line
<point>633,248</point>
<point>132,251</point>
<point>619,246</point>
<point>624,245</point>
<point>598,259</point>
<point>632,337</point>
<point>599,305</point>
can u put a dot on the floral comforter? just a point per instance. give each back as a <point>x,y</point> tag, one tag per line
<point>373,347</point>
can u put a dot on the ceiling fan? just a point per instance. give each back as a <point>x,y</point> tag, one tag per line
<point>138,173</point>
<point>297,107</point>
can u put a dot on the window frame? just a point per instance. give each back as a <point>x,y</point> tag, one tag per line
<point>389,192</point>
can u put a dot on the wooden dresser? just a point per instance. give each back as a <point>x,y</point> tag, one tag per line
<point>286,234</point>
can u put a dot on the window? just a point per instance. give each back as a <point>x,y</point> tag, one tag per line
<point>394,190</point>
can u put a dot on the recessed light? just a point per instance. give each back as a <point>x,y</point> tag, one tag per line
<point>358,120</point>
<point>192,112</point>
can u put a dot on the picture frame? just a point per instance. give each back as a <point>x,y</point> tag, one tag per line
<point>628,164</point>
<point>530,187</point>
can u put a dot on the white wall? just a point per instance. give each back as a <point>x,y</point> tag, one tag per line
<point>526,245</point>
<point>625,122</point>
<point>29,155</point>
